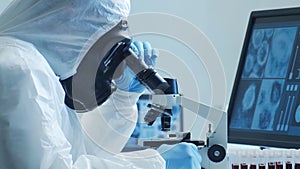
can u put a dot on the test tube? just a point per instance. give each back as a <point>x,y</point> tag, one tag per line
<point>244,166</point>
<point>279,165</point>
<point>288,165</point>
<point>252,166</point>
<point>297,165</point>
<point>235,166</point>
<point>288,158</point>
<point>271,165</point>
<point>261,166</point>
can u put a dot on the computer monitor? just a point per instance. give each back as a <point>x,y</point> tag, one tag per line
<point>264,108</point>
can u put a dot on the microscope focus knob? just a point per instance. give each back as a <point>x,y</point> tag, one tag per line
<point>216,153</point>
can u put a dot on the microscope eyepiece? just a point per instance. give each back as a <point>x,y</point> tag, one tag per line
<point>151,79</point>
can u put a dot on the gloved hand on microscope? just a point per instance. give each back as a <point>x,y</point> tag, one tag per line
<point>178,156</point>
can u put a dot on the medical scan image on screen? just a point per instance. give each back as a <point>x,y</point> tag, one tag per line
<point>267,97</point>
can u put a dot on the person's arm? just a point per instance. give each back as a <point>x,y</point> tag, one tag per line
<point>111,124</point>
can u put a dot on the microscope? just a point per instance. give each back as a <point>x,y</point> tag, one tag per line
<point>213,149</point>
<point>106,60</point>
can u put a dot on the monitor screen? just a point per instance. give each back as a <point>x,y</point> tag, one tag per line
<point>264,108</point>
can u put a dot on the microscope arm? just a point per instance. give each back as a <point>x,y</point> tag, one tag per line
<point>213,115</point>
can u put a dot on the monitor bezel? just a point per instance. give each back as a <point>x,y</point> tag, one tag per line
<point>250,138</point>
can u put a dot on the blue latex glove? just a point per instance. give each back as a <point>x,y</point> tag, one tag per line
<point>181,156</point>
<point>128,81</point>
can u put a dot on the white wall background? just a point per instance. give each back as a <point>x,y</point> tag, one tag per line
<point>223,22</point>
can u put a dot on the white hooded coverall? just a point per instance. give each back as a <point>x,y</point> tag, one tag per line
<point>42,42</point>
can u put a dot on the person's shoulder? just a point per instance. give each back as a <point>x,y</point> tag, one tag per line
<point>16,53</point>
<point>7,42</point>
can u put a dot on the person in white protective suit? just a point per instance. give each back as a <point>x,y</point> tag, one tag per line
<point>42,42</point>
